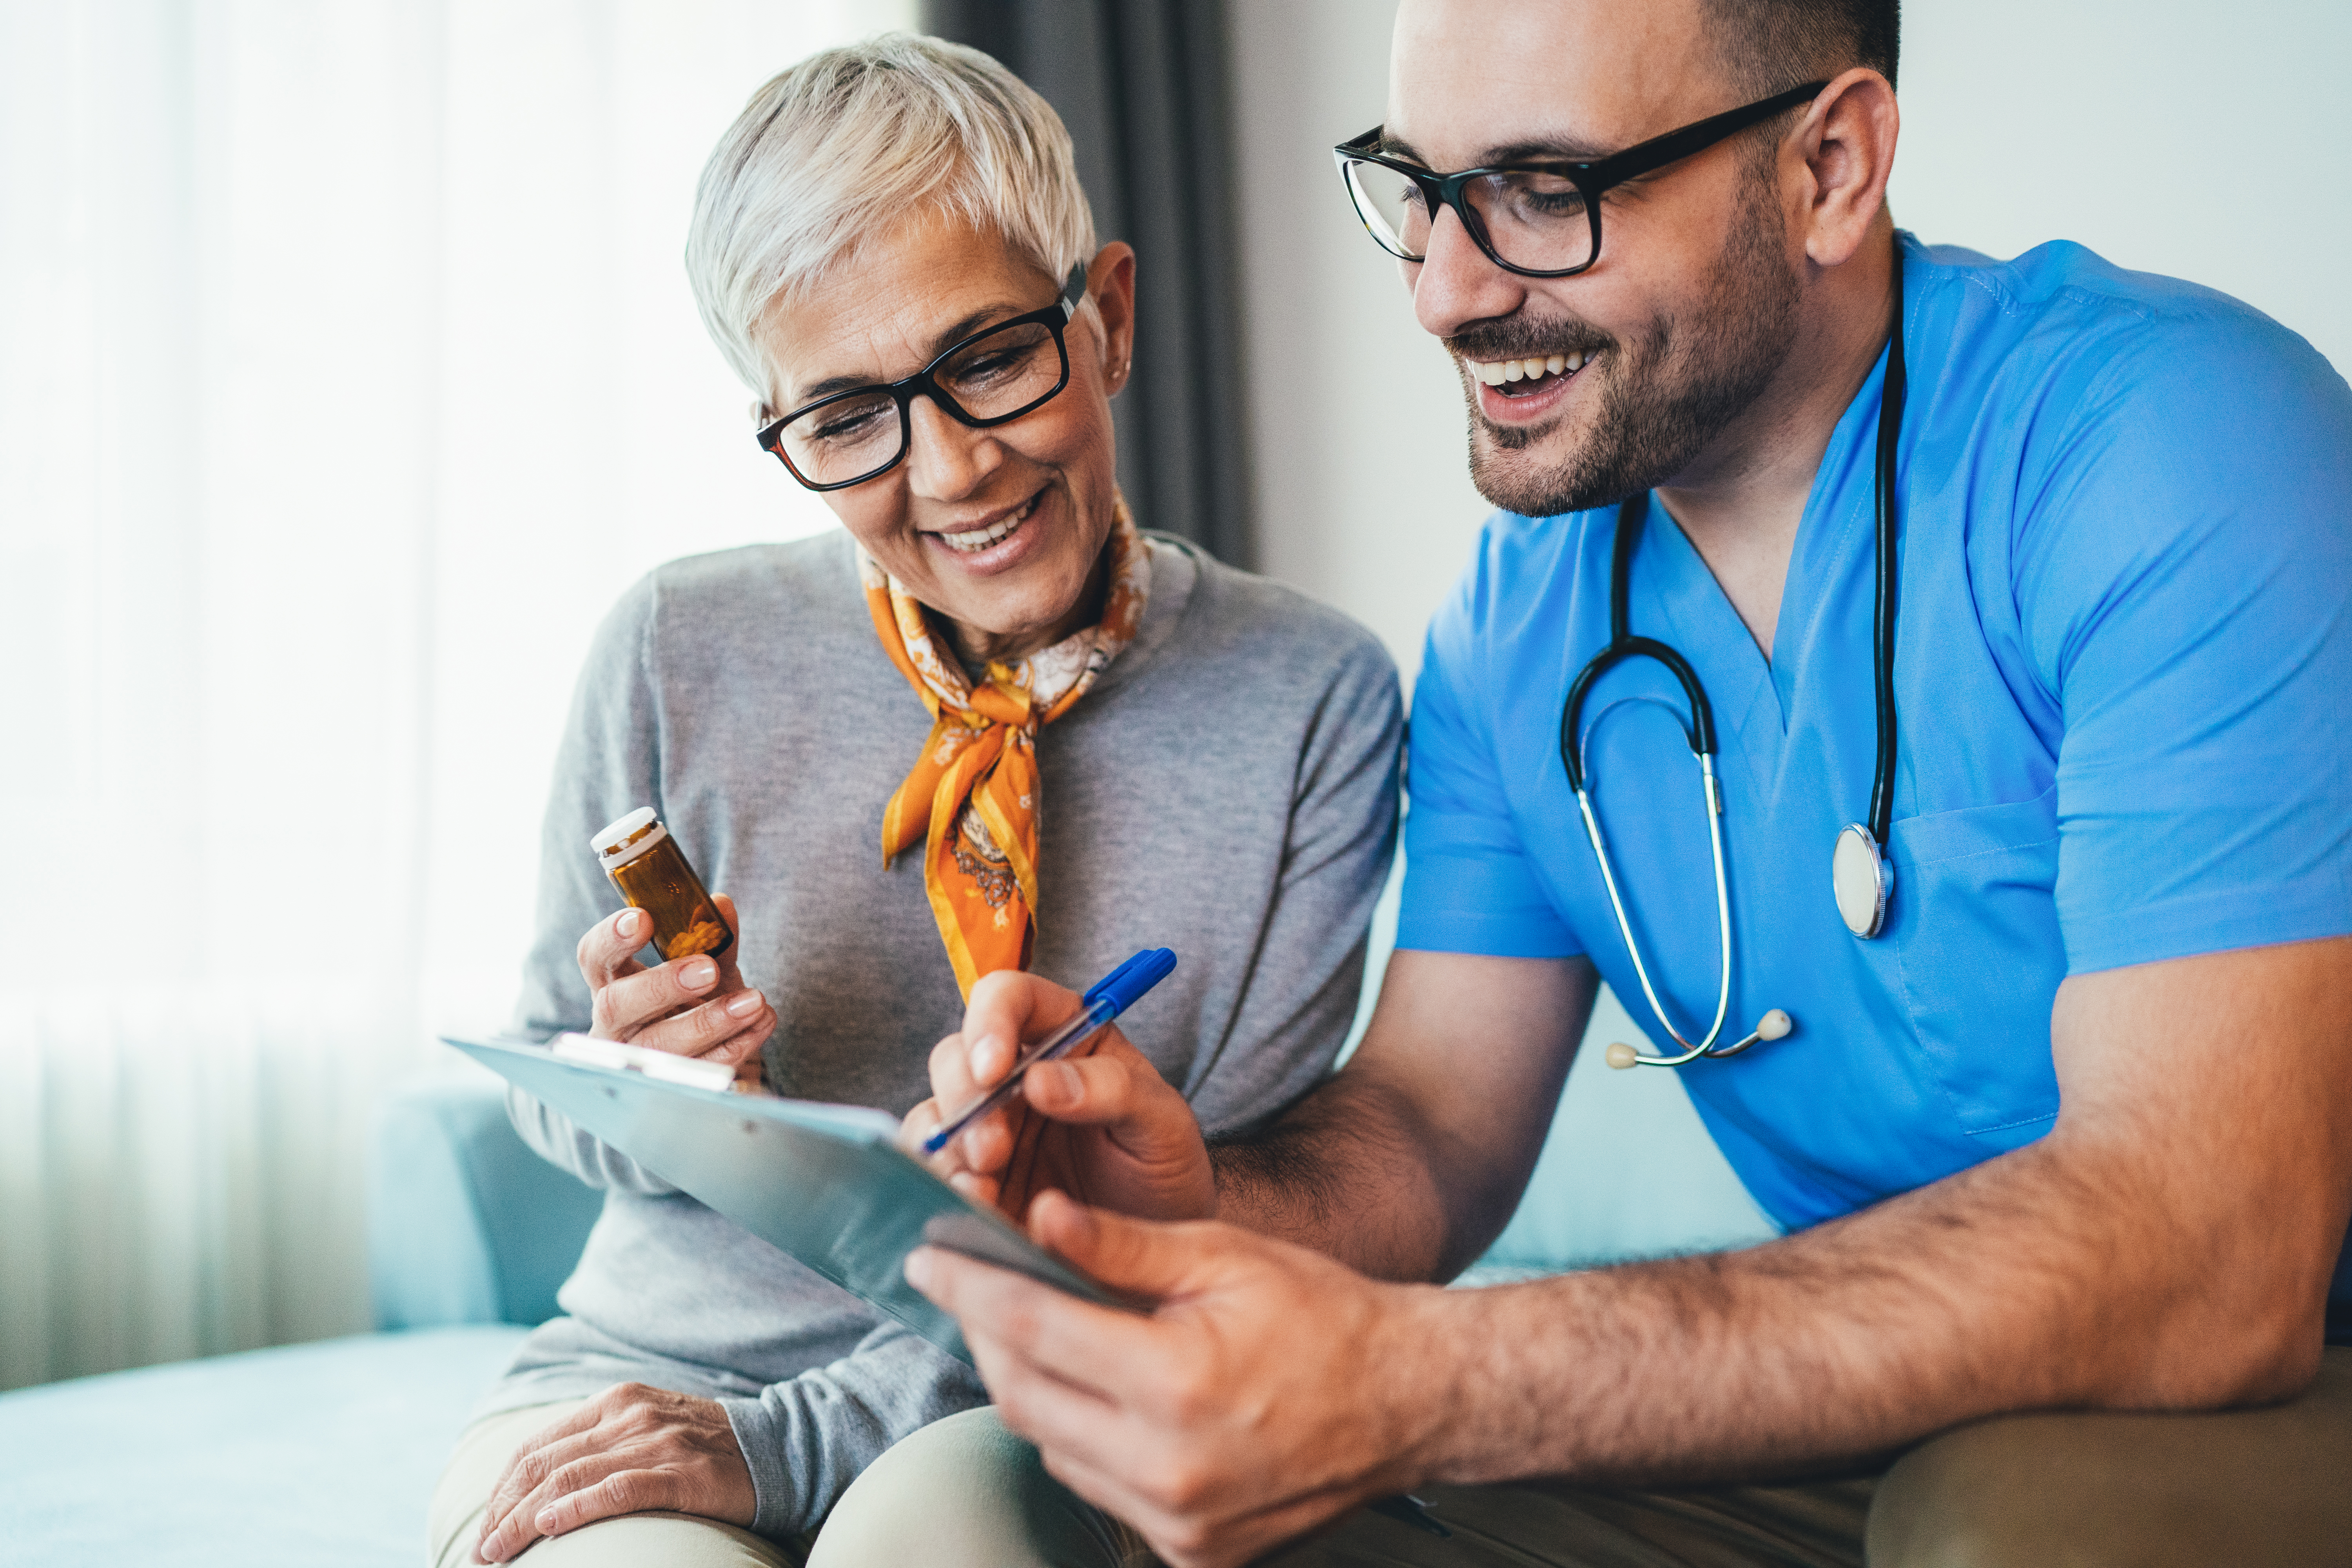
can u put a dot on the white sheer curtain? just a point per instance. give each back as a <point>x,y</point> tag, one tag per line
<point>347,373</point>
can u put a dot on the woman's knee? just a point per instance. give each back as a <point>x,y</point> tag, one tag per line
<point>963,1492</point>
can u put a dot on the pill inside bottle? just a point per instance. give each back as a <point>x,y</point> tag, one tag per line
<point>651,874</point>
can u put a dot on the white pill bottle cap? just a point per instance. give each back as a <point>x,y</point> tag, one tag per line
<point>620,842</point>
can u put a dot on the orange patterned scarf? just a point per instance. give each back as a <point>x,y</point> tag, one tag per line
<point>973,793</point>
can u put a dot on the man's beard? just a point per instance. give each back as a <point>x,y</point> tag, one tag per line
<point>1670,392</point>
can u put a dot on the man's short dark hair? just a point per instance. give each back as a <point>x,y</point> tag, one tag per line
<point>1768,46</point>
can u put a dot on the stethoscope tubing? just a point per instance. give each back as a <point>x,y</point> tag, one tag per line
<point>1723,912</point>
<point>1631,514</point>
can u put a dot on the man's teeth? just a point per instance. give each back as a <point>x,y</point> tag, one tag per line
<point>1494,372</point>
<point>982,537</point>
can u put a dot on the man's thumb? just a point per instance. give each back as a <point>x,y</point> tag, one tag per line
<point>1134,1256</point>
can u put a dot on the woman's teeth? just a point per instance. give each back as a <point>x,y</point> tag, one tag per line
<point>982,537</point>
<point>1494,372</point>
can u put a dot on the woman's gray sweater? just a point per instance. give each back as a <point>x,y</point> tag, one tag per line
<point>1228,789</point>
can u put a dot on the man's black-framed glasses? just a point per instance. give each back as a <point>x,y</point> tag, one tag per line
<point>1540,219</point>
<point>993,377</point>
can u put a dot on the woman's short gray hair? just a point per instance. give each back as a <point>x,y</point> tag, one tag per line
<point>839,149</point>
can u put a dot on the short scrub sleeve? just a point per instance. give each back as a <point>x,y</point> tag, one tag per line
<point>2182,586</point>
<point>1469,886</point>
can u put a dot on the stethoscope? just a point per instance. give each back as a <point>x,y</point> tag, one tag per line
<point>1861,876</point>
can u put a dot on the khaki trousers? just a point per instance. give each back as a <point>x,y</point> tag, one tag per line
<point>630,1541</point>
<point>2247,1489</point>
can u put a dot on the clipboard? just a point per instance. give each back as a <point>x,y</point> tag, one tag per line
<point>827,1183</point>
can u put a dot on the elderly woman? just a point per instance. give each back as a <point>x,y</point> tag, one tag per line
<point>987,724</point>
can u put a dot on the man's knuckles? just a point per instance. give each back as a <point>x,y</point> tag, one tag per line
<point>948,1074</point>
<point>1184,1399</point>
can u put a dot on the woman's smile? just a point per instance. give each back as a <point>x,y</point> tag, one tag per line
<point>991,542</point>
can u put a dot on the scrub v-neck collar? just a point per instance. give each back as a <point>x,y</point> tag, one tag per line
<point>1755,698</point>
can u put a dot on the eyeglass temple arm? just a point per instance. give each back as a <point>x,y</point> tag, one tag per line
<point>1644,156</point>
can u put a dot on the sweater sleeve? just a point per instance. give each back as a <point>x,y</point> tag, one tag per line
<point>608,765</point>
<point>806,1438</point>
<point>1307,974</point>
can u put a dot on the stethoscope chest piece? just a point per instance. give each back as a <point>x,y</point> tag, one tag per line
<point>1862,877</point>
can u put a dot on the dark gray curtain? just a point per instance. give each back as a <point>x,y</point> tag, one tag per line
<point>1141,86</point>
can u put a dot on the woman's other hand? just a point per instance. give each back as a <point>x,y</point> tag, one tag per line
<point>693,1007</point>
<point>1099,1124</point>
<point>629,1450</point>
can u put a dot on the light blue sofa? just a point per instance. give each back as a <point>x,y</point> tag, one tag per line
<point>327,1453</point>
<point>321,1453</point>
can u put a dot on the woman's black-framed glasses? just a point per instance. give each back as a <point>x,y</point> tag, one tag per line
<point>993,377</point>
<point>1540,219</point>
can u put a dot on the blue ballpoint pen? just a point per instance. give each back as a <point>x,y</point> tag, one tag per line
<point>1109,997</point>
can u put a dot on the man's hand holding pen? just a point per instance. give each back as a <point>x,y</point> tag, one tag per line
<point>1099,1124</point>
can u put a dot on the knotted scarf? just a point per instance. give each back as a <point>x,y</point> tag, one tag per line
<point>973,793</point>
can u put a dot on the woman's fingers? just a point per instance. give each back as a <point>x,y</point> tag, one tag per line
<point>726,1029</point>
<point>568,1498</point>
<point>696,1005</point>
<point>686,1007</point>
<point>523,1491</point>
<point>623,1491</point>
<point>731,977</point>
<point>610,948</point>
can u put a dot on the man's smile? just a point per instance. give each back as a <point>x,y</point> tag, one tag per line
<point>1523,389</point>
<point>1531,371</point>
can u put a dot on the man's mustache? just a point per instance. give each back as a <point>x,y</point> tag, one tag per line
<point>1512,338</point>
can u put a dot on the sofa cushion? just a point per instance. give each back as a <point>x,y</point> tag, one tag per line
<point>303,1455</point>
<point>465,1224</point>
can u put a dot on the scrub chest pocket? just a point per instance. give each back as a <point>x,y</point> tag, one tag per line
<point>1981,956</point>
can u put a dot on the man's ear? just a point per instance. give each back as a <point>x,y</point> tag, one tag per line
<point>1846,145</point>
<point>1110,285</point>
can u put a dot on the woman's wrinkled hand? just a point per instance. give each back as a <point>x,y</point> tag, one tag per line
<point>629,1450</point>
<point>693,1007</point>
<point>1101,1124</point>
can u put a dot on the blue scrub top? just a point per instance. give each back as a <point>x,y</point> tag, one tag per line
<point>2123,662</point>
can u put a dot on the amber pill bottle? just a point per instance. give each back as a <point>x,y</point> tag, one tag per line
<point>649,869</point>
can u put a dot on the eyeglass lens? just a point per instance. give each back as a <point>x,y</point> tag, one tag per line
<point>1532,220</point>
<point>995,376</point>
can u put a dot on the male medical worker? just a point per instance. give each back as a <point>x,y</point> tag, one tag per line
<point>2064,1152</point>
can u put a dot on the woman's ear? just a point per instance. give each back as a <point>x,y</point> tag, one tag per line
<point>1111,284</point>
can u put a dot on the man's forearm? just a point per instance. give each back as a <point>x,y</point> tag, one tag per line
<point>1408,1162</point>
<point>2036,1280</point>
<point>1304,1180</point>
<point>1355,1173</point>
